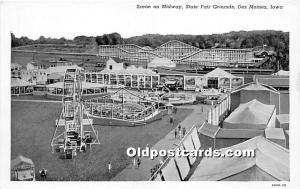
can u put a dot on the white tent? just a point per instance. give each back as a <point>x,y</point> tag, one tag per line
<point>251,115</point>
<point>170,172</point>
<point>218,72</point>
<point>270,162</point>
<point>188,145</point>
<point>22,169</point>
<point>183,165</point>
<point>195,138</point>
<point>261,92</point>
<point>216,137</point>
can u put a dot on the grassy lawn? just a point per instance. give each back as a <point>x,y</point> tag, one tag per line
<point>32,127</point>
<point>23,58</point>
<point>30,97</point>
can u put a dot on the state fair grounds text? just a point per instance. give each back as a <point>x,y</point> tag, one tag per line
<point>210,6</point>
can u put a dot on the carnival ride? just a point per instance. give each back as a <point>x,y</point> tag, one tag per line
<point>74,129</point>
<point>178,98</point>
<point>124,108</point>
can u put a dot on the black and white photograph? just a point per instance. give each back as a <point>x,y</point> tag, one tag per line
<point>110,91</point>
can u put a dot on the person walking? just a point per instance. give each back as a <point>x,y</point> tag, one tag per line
<point>175,131</point>
<point>109,167</point>
<point>171,119</point>
<point>134,162</point>
<point>180,134</point>
<point>175,110</point>
<point>139,161</point>
<point>183,131</point>
<point>43,173</point>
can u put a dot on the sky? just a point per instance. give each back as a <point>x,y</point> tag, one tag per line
<point>92,18</point>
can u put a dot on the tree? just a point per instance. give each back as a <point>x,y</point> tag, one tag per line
<point>42,40</point>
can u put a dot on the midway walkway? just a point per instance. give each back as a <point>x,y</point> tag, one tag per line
<point>143,173</point>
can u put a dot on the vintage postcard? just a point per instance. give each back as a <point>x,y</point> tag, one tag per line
<point>146,90</point>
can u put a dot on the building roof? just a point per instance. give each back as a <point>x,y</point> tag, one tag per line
<point>283,118</point>
<point>162,71</point>
<point>271,158</point>
<point>214,131</point>
<point>218,72</point>
<point>55,76</point>
<point>170,82</point>
<point>33,63</point>
<point>15,65</point>
<point>250,115</point>
<point>255,86</point>
<point>209,130</point>
<point>254,173</point>
<point>287,132</point>
<point>16,82</point>
<point>21,159</point>
<point>261,62</point>
<point>282,73</point>
<point>274,133</point>
<point>117,59</point>
<point>212,92</point>
<point>260,52</point>
<point>239,133</point>
<point>272,80</point>
<point>161,62</point>
<point>85,85</point>
<point>130,70</point>
<point>61,69</point>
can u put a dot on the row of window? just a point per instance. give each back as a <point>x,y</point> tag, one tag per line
<point>21,90</point>
<point>59,91</point>
<point>35,73</point>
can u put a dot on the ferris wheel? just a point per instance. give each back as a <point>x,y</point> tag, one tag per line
<point>74,129</point>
